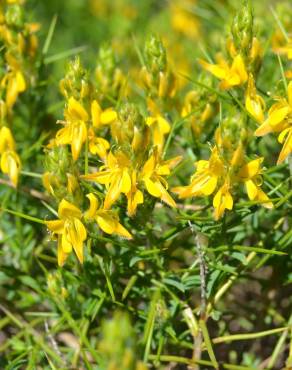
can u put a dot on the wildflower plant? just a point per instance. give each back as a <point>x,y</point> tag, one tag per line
<point>145,185</point>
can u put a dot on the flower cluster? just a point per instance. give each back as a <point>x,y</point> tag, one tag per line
<point>19,43</point>
<point>280,120</point>
<point>111,150</point>
<point>221,175</point>
<point>10,162</point>
<point>123,148</point>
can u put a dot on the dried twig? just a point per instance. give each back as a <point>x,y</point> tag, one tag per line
<point>53,342</point>
<point>200,243</point>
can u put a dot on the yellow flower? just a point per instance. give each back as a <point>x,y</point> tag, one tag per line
<point>230,76</point>
<point>75,130</point>
<point>254,103</point>
<point>115,175</point>
<point>107,220</point>
<point>6,140</point>
<point>205,179</point>
<point>70,230</point>
<point>159,125</point>
<point>256,51</point>
<point>280,120</point>
<point>167,84</point>
<point>14,1</point>
<point>250,174</point>
<point>152,176</point>
<point>183,20</point>
<point>212,173</point>
<point>10,162</point>
<point>222,200</point>
<point>285,49</point>
<point>102,117</point>
<point>134,196</point>
<point>120,177</point>
<point>50,181</point>
<point>286,138</point>
<point>97,145</point>
<point>13,81</point>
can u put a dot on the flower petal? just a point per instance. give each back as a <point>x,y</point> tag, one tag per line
<point>21,85</point>
<point>67,210</point>
<point>75,111</point>
<point>209,186</point>
<point>173,161</point>
<point>6,140</point>
<point>77,234</point>
<point>66,244</point>
<point>287,148</point>
<point>215,69</point>
<point>222,200</point>
<point>149,167</point>
<point>279,114</point>
<point>262,197</point>
<point>255,106</point>
<point>134,198</point>
<point>95,113</point>
<point>79,136</point>
<point>264,129</point>
<point>114,190</point>
<point>62,256</point>
<point>239,69</point>
<point>64,135</point>
<point>122,231</point>
<point>126,182</point>
<point>102,177</point>
<point>56,226</point>
<point>107,223</point>
<point>252,189</point>
<point>152,188</point>
<point>251,169</point>
<point>10,164</point>
<point>164,126</point>
<point>93,206</point>
<point>165,196</point>
<point>108,116</point>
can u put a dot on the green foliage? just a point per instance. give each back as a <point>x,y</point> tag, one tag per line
<point>187,291</point>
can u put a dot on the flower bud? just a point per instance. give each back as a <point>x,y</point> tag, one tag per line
<point>58,161</point>
<point>110,78</point>
<point>242,28</point>
<point>155,55</point>
<point>3,111</point>
<point>106,60</point>
<point>229,136</point>
<point>14,16</point>
<point>76,82</point>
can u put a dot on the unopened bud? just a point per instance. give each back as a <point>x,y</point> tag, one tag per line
<point>76,82</point>
<point>155,55</point>
<point>242,28</point>
<point>14,16</point>
<point>123,129</point>
<point>106,60</point>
